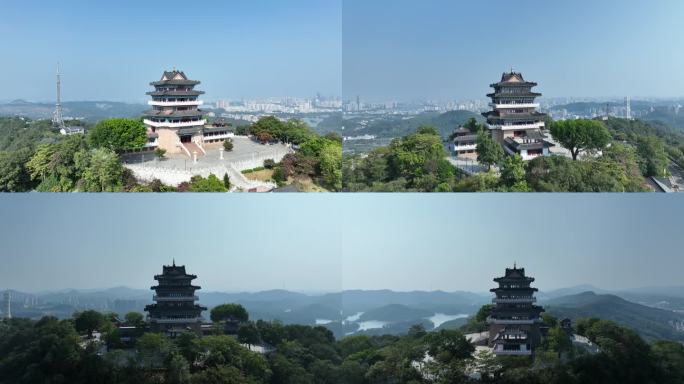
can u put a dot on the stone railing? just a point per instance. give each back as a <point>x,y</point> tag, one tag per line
<point>258,161</point>
<point>175,176</point>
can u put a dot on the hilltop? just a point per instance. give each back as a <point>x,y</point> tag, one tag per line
<point>651,323</point>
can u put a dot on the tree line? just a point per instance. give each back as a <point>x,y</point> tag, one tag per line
<point>50,350</point>
<point>612,156</point>
<point>34,157</point>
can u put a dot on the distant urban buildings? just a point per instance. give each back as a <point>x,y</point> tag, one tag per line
<point>286,105</point>
<point>515,321</point>
<point>7,304</point>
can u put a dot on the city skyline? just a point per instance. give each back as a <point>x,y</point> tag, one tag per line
<point>321,244</point>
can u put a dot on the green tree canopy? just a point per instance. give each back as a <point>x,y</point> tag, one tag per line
<point>88,321</point>
<point>652,156</point>
<point>228,145</point>
<point>489,152</point>
<point>419,158</point>
<point>153,349</point>
<point>135,319</point>
<point>473,126</point>
<point>427,130</point>
<point>513,170</point>
<point>15,175</point>
<point>61,165</point>
<point>231,311</point>
<point>104,172</point>
<point>118,134</point>
<point>447,345</point>
<point>209,184</point>
<point>580,135</point>
<point>248,334</point>
<point>331,165</point>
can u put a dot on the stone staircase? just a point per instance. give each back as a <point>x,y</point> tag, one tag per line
<point>193,148</point>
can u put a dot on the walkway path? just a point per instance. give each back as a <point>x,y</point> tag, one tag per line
<point>468,166</point>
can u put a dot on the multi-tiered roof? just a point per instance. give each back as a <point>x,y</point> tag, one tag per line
<point>514,115</point>
<point>515,319</point>
<point>174,298</point>
<point>174,103</point>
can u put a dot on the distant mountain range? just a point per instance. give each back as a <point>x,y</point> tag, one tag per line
<point>656,313</point>
<point>651,323</point>
<point>389,126</point>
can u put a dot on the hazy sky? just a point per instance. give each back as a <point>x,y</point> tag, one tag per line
<point>380,49</point>
<point>111,50</point>
<point>445,49</point>
<point>313,243</point>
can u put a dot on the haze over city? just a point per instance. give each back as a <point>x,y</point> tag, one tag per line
<point>316,243</point>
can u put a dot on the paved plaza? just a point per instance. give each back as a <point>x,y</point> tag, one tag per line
<point>244,150</point>
<point>177,168</point>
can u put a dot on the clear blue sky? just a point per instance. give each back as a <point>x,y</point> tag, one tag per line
<point>111,50</point>
<point>445,49</point>
<point>311,242</point>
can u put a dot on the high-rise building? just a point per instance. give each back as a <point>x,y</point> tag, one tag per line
<point>514,121</point>
<point>175,310</point>
<point>628,108</point>
<point>514,323</point>
<point>7,304</point>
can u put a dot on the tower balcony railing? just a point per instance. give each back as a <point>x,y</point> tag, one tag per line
<point>219,136</point>
<point>530,299</point>
<point>465,147</point>
<point>514,105</point>
<point>492,320</point>
<point>174,321</point>
<point>174,125</point>
<point>174,298</point>
<point>515,127</point>
<point>523,350</point>
<point>174,103</point>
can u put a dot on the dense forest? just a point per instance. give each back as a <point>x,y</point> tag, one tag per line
<point>35,157</point>
<point>69,351</point>
<point>630,151</point>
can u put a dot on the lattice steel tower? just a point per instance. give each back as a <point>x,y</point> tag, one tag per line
<point>57,120</point>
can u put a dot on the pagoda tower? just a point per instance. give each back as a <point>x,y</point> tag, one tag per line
<point>175,310</point>
<point>514,121</point>
<point>175,121</point>
<point>514,323</point>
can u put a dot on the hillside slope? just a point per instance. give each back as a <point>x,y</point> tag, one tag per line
<point>651,323</point>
